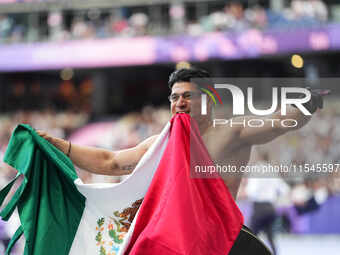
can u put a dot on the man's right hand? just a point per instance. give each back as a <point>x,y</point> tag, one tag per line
<point>59,143</point>
<point>316,101</point>
<point>45,136</point>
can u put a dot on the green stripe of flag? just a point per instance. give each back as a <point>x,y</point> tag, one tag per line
<point>49,205</point>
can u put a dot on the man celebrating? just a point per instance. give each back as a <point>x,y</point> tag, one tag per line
<point>234,148</point>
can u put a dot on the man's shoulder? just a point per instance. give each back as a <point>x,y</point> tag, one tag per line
<point>228,132</point>
<point>224,137</point>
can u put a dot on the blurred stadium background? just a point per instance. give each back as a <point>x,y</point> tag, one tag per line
<point>95,72</point>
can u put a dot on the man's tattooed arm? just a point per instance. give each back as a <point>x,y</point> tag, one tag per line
<point>129,167</point>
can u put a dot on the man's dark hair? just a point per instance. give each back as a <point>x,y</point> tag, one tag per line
<point>186,74</point>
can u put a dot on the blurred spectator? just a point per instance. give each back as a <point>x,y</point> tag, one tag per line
<point>309,9</point>
<point>139,24</point>
<point>194,28</point>
<point>118,25</point>
<point>257,17</point>
<point>56,27</point>
<point>177,17</point>
<point>235,13</point>
<point>265,194</point>
<point>6,25</point>
<point>81,29</point>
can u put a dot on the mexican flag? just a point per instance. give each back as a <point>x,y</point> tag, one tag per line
<point>158,209</point>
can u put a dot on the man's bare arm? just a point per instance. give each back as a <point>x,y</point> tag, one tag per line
<point>271,129</point>
<point>101,161</point>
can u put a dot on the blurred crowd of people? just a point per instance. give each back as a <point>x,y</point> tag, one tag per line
<point>57,124</point>
<point>125,22</point>
<point>234,17</point>
<point>317,142</point>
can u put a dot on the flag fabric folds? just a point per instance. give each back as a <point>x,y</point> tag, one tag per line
<point>158,209</point>
<point>48,202</point>
<point>110,211</point>
<point>184,215</point>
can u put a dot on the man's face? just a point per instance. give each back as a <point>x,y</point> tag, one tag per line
<point>186,99</point>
